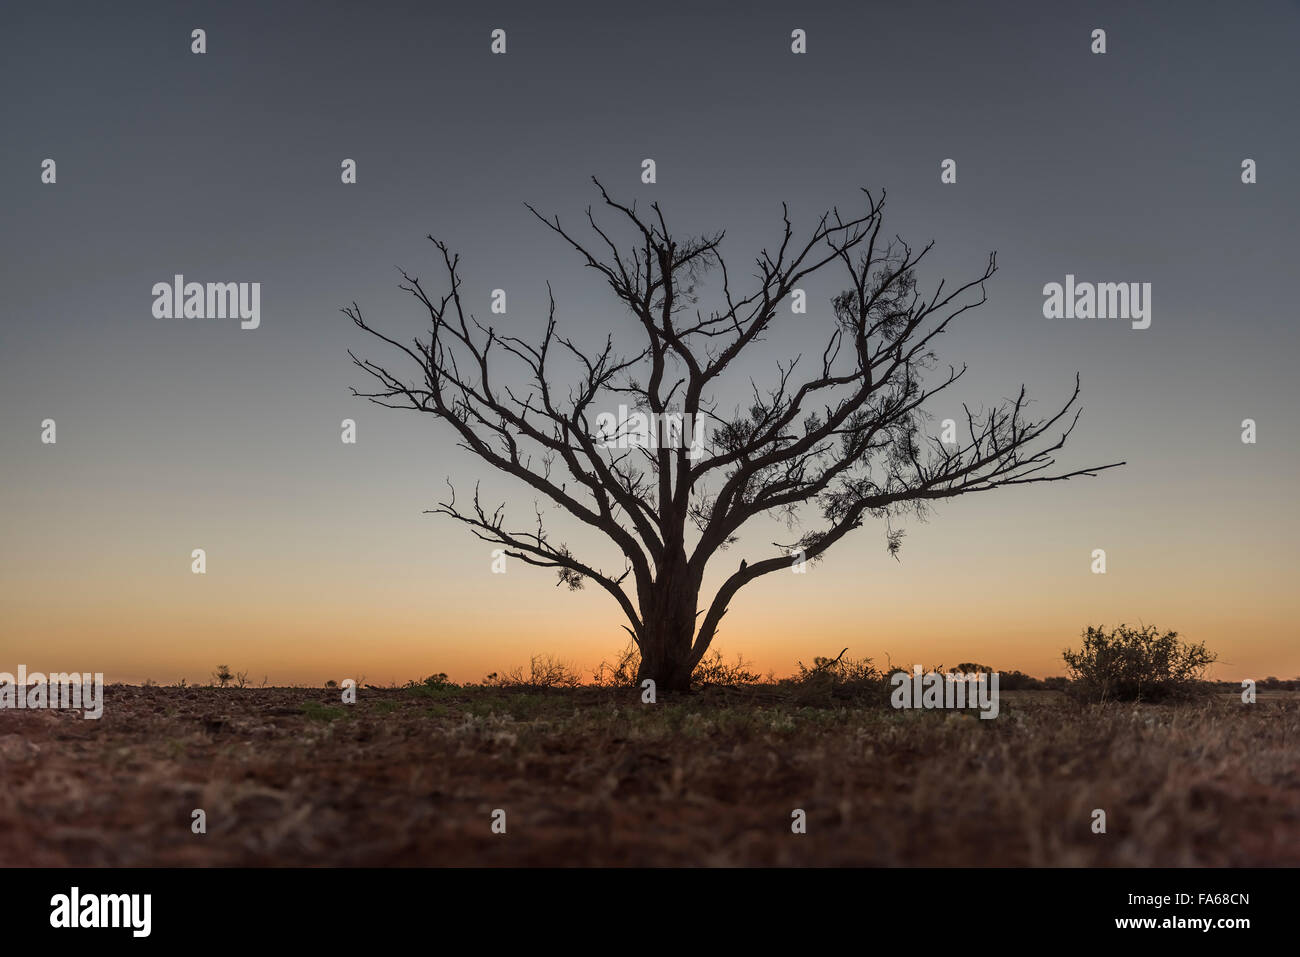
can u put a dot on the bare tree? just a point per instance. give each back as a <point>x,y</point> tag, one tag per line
<point>846,440</point>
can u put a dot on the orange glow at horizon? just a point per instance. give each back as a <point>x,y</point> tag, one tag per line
<point>406,621</point>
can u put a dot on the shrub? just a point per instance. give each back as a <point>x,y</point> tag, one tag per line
<point>1012,679</point>
<point>437,686</point>
<point>1132,664</point>
<point>712,670</point>
<point>838,679</point>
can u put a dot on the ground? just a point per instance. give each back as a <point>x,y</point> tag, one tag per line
<point>291,776</point>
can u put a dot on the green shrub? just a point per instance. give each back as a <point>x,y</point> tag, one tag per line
<point>1136,664</point>
<point>434,686</point>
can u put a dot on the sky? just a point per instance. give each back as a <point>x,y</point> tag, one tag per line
<point>177,434</point>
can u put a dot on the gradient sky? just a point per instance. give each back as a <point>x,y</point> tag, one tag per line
<point>175,435</point>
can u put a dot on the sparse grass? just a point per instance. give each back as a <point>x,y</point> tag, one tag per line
<point>320,712</point>
<point>592,776</point>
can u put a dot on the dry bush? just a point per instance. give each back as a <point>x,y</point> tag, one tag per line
<point>621,673</point>
<point>839,679</point>
<point>712,670</point>
<point>544,672</point>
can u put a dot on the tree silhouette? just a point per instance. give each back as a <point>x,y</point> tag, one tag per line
<point>845,440</point>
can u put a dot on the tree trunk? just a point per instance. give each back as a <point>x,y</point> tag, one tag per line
<point>668,617</point>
